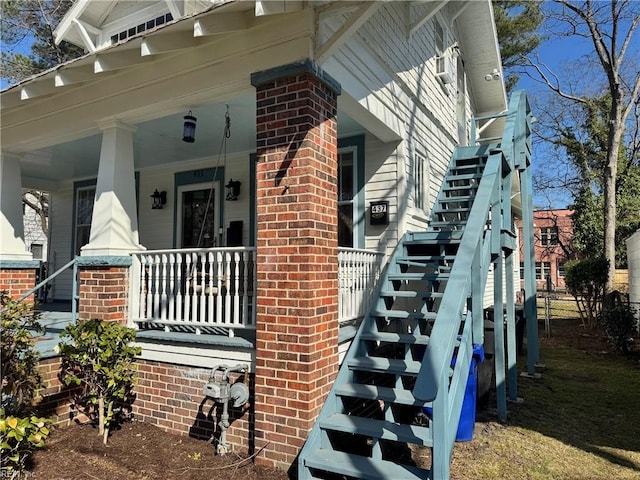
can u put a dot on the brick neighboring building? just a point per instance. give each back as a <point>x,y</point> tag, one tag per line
<point>553,236</point>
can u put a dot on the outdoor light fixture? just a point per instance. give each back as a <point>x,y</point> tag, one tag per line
<point>494,75</point>
<point>189,130</point>
<point>233,189</point>
<point>158,199</point>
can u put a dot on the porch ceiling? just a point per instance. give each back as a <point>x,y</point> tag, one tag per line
<point>158,142</point>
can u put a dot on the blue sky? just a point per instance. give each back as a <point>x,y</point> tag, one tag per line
<point>557,55</point>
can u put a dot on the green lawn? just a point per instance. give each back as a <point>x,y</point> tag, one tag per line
<point>580,420</point>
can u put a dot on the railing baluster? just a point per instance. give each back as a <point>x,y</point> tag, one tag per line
<point>156,283</point>
<point>188,285</point>
<point>144,288</point>
<point>163,294</point>
<point>210,292</point>
<point>236,288</point>
<point>203,286</point>
<point>219,312</point>
<point>180,285</point>
<point>227,293</point>
<point>245,285</point>
<point>172,286</point>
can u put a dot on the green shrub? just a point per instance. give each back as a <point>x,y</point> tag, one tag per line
<point>21,432</point>
<point>19,437</point>
<point>99,358</point>
<point>618,321</point>
<point>585,281</point>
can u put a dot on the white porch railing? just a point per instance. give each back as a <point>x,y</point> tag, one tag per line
<point>203,289</point>
<point>358,274</point>
<point>213,290</point>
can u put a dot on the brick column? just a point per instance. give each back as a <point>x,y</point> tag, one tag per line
<point>104,288</point>
<point>297,267</point>
<point>17,277</point>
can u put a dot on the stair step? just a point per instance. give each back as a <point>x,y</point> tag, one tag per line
<point>403,315</point>
<point>465,176</point>
<point>425,260</point>
<point>410,294</point>
<point>450,224</point>
<point>391,337</point>
<point>449,209</point>
<point>476,153</point>
<point>374,428</point>
<point>358,466</point>
<point>460,198</point>
<point>465,170</point>
<point>385,365</point>
<point>386,394</point>
<point>432,237</point>
<point>411,262</point>
<point>413,276</point>
<point>454,188</point>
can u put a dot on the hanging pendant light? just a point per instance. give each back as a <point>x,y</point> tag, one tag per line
<point>189,130</point>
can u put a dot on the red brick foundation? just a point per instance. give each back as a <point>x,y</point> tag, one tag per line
<point>297,280</point>
<point>171,397</point>
<point>55,397</point>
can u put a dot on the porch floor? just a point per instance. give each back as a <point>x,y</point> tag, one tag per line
<point>56,316</point>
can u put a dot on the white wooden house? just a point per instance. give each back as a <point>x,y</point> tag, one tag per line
<point>337,120</point>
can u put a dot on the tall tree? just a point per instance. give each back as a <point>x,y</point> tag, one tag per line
<point>611,29</point>
<point>517,24</point>
<point>27,35</point>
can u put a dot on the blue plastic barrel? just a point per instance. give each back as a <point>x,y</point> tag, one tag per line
<point>468,414</point>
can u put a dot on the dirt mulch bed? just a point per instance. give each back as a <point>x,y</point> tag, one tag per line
<point>139,451</point>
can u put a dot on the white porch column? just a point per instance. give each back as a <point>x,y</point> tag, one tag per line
<point>114,226</point>
<point>12,245</point>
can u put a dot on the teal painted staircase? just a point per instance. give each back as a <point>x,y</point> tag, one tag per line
<point>403,379</point>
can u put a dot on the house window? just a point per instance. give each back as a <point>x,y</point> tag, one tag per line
<point>346,184</point>
<point>548,236</point>
<point>543,270</point>
<point>521,270</point>
<point>420,169</point>
<point>561,268</point>
<point>37,251</point>
<point>85,197</point>
<point>439,37</point>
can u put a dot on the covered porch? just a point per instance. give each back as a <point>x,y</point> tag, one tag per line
<point>213,290</point>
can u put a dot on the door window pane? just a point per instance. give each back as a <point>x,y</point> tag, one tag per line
<point>346,178</point>
<point>198,231</point>
<point>345,225</point>
<point>85,198</point>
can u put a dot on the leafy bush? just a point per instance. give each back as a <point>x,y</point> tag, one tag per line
<point>586,281</point>
<point>19,437</point>
<point>619,323</point>
<point>21,432</point>
<point>20,378</point>
<point>100,359</point>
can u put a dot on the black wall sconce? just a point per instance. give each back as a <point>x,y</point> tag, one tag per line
<point>158,199</point>
<point>189,129</point>
<point>233,189</point>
